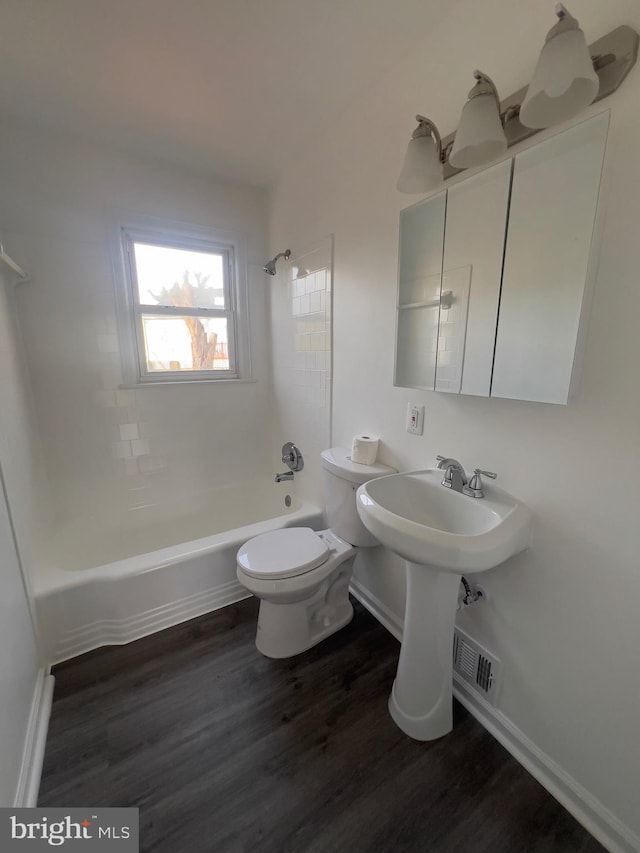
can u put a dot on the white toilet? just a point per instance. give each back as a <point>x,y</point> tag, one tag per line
<point>302,577</point>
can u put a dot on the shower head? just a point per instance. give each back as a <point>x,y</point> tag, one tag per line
<point>270,266</point>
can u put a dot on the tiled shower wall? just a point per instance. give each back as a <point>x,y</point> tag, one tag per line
<point>107,447</point>
<point>302,361</point>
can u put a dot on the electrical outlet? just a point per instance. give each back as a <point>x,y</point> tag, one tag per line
<point>415,419</point>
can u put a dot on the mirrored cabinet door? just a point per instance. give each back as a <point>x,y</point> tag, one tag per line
<point>419,281</point>
<point>472,269</point>
<point>551,220</point>
<point>494,273</point>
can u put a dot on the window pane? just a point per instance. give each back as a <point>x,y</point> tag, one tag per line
<point>185,343</point>
<point>179,277</point>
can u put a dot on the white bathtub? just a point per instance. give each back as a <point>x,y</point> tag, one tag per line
<point>113,579</point>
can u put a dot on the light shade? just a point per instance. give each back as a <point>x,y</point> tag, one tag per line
<point>422,167</point>
<point>480,135</point>
<point>564,82</point>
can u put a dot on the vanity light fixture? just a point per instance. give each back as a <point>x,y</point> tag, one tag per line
<point>480,135</point>
<point>567,79</point>
<point>422,168</point>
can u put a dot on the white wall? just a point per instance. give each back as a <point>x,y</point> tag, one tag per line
<point>19,664</point>
<point>59,197</point>
<point>19,472</point>
<point>20,450</point>
<point>563,616</point>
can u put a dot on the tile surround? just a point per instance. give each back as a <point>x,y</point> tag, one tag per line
<point>302,363</point>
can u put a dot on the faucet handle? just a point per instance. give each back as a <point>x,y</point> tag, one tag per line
<point>485,473</point>
<point>476,480</point>
<point>474,487</point>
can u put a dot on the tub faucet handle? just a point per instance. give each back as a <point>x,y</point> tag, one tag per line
<point>292,456</point>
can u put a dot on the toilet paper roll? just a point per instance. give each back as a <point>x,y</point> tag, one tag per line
<point>364,449</point>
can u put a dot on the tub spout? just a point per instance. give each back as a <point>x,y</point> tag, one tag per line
<point>288,475</point>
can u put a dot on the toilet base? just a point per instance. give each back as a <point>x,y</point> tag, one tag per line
<point>285,630</point>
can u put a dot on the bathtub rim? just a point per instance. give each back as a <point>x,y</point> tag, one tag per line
<point>48,579</point>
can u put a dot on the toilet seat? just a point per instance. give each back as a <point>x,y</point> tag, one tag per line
<point>283,553</point>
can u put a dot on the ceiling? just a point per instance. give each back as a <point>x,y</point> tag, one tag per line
<point>235,87</point>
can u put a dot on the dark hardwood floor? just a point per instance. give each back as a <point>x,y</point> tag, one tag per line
<point>225,750</point>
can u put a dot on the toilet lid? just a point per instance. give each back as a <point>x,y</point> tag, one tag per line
<point>282,553</point>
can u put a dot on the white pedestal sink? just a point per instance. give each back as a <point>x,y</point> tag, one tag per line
<point>441,534</point>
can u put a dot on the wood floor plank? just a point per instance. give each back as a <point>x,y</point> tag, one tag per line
<point>225,751</point>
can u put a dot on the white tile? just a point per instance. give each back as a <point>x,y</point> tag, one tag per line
<point>105,398</point>
<point>128,432</point>
<point>122,449</point>
<point>130,466</point>
<point>297,393</point>
<point>111,377</point>
<point>140,447</point>
<point>108,343</point>
<point>126,416</point>
<point>125,397</point>
<point>152,464</point>
<point>314,378</point>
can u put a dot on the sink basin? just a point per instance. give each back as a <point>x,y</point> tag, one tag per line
<point>415,516</point>
<point>440,533</point>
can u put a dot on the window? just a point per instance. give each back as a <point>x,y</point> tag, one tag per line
<point>180,315</point>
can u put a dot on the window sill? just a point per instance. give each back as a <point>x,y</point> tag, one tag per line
<point>135,386</point>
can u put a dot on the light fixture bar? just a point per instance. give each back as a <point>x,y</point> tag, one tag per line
<point>614,55</point>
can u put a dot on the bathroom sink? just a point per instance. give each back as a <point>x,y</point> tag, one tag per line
<point>441,533</point>
<point>419,519</point>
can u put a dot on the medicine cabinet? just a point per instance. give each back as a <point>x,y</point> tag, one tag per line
<point>493,273</point>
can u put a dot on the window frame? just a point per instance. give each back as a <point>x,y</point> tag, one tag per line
<point>130,310</point>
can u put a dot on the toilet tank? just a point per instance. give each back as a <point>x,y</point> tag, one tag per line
<point>341,478</point>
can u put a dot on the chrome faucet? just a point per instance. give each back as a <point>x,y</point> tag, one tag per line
<point>456,479</point>
<point>288,475</point>
<point>454,476</point>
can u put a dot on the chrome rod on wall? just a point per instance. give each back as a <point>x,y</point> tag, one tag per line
<point>12,264</point>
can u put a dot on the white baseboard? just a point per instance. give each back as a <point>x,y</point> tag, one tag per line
<point>377,608</point>
<point>119,631</point>
<point>33,755</point>
<point>587,810</point>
